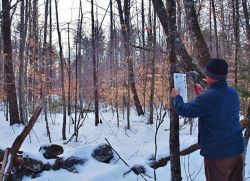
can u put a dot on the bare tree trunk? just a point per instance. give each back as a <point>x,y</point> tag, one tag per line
<point>215,30</point>
<point>80,56</point>
<point>174,117</point>
<point>111,50</point>
<point>116,66</point>
<point>9,79</point>
<point>96,103</point>
<point>44,70</point>
<point>235,4</point>
<point>143,54</point>
<point>185,62</point>
<point>21,68</point>
<point>76,88</point>
<point>62,74</point>
<point>125,21</point>
<point>210,27</point>
<point>35,92</point>
<point>152,82</point>
<point>246,12</point>
<point>69,77</point>
<point>50,50</point>
<point>26,62</point>
<point>223,28</point>
<point>201,50</point>
<point>246,15</point>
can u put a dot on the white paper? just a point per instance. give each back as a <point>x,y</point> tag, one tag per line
<point>181,83</point>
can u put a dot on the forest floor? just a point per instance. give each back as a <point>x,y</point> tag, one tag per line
<point>135,146</point>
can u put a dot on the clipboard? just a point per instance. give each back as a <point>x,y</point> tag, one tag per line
<point>180,82</point>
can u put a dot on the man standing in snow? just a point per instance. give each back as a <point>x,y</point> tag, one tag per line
<point>220,133</point>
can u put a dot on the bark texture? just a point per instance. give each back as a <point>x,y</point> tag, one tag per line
<point>9,78</point>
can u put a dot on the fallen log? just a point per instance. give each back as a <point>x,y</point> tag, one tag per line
<point>10,156</point>
<point>163,161</point>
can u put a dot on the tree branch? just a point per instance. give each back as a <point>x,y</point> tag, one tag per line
<point>163,161</point>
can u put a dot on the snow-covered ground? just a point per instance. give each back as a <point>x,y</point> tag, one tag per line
<point>135,146</point>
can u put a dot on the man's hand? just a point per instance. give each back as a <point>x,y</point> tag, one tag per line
<point>175,92</point>
<point>198,89</point>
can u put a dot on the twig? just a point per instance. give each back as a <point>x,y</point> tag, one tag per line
<point>133,154</point>
<point>123,159</point>
<point>146,49</point>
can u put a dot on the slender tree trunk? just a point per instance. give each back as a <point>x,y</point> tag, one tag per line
<point>96,103</point>
<point>44,71</point>
<point>111,50</point>
<point>152,82</point>
<point>69,77</point>
<point>50,50</point>
<point>76,89</point>
<point>210,27</point>
<point>35,83</point>
<point>143,54</point>
<point>80,57</point>
<point>235,4</point>
<point>215,30</point>
<point>125,21</point>
<point>174,118</point>
<point>246,12</point>
<point>9,79</point>
<point>26,62</point>
<point>21,68</point>
<point>62,73</point>
<point>246,15</point>
<point>224,37</point>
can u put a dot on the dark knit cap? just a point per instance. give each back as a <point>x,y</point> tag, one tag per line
<point>216,69</point>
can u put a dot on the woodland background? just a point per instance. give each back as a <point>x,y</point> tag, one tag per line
<point>121,53</point>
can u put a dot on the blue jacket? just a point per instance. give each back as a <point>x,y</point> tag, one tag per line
<point>220,132</point>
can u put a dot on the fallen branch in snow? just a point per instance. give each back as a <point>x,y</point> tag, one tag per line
<point>163,161</point>
<point>10,157</point>
<point>5,163</point>
<point>133,168</point>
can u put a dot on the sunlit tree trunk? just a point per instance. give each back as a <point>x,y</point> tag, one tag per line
<point>9,78</point>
